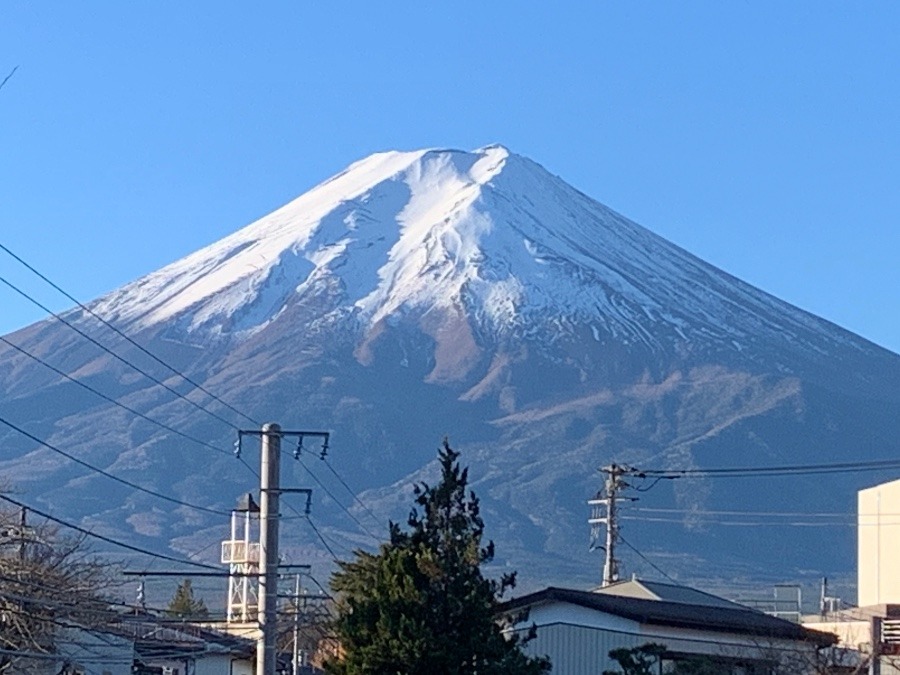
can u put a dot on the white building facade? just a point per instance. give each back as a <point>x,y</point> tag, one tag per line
<point>578,629</point>
<point>878,517</point>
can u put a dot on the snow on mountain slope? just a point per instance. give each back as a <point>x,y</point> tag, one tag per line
<point>473,294</point>
<point>366,225</point>
<point>488,233</point>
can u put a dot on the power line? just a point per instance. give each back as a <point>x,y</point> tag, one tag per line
<point>58,657</point>
<point>350,490</point>
<point>646,559</point>
<point>779,514</point>
<point>249,468</point>
<point>322,539</point>
<point>106,474</point>
<point>297,454</point>
<point>321,588</point>
<point>69,592</point>
<point>102,633</point>
<point>114,354</point>
<point>768,523</point>
<point>161,362</point>
<point>82,595</point>
<point>788,470</point>
<point>336,501</point>
<point>108,540</point>
<point>123,335</point>
<point>110,399</point>
<point>126,337</point>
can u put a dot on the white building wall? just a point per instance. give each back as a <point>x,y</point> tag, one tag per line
<point>222,664</point>
<point>209,664</point>
<point>578,640</point>
<point>850,633</point>
<point>878,571</point>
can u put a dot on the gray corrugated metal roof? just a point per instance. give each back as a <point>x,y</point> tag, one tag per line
<point>149,632</point>
<point>658,590</point>
<point>734,619</point>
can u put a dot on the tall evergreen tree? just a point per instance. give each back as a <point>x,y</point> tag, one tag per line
<point>184,605</point>
<point>421,606</point>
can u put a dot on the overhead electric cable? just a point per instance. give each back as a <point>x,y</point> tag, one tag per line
<point>768,523</point>
<point>759,471</point>
<point>779,514</point>
<point>110,399</point>
<point>646,559</point>
<point>102,634</point>
<point>647,488</point>
<point>336,501</point>
<point>87,592</point>
<point>249,468</point>
<point>350,490</point>
<point>126,337</point>
<point>77,596</point>
<point>322,539</point>
<point>100,471</point>
<point>56,657</point>
<point>114,354</point>
<point>321,588</point>
<point>108,540</point>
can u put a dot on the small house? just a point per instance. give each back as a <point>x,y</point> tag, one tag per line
<point>688,629</point>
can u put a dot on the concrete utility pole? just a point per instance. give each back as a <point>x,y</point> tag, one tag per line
<point>608,516</point>
<point>296,660</point>
<point>269,488</point>
<point>270,491</point>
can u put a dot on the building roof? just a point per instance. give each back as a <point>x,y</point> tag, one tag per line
<point>730,618</point>
<point>657,590</point>
<point>154,636</point>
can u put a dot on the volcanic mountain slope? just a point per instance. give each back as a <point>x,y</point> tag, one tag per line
<point>472,294</point>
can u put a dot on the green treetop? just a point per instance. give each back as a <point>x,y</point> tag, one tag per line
<point>421,606</point>
<point>184,605</point>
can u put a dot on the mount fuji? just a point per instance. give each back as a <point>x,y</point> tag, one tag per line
<point>475,295</point>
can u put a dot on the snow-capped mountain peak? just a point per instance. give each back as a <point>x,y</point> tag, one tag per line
<point>373,225</point>
<point>487,234</point>
<point>472,293</point>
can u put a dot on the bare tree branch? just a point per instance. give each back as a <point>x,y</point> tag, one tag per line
<point>6,79</point>
<point>48,582</point>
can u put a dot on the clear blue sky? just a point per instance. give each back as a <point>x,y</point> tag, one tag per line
<point>762,136</point>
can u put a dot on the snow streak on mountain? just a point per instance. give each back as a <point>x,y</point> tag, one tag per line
<point>435,292</point>
<point>488,234</point>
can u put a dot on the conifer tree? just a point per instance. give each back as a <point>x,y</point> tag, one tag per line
<point>184,605</point>
<point>421,606</point>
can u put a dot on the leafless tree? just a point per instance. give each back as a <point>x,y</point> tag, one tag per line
<point>49,583</point>
<point>837,659</point>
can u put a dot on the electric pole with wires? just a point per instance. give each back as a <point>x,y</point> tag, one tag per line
<point>270,491</point>
<point>605,511</point>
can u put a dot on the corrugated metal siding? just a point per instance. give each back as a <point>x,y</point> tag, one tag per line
<point>584,650</point>
<point>577,650</point>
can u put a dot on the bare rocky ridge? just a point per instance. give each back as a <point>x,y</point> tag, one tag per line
<point>476,295</point>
